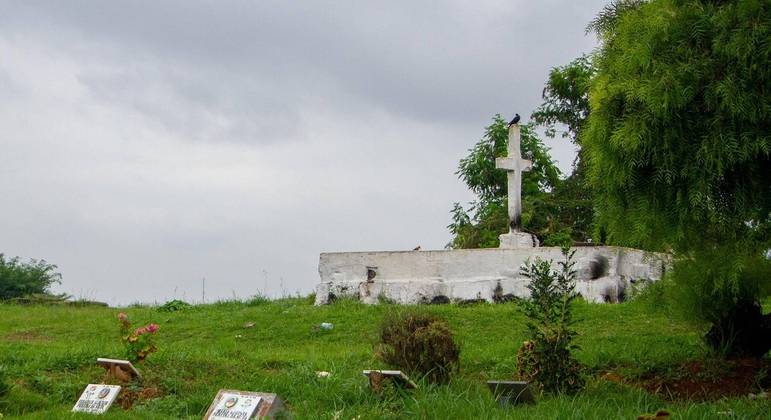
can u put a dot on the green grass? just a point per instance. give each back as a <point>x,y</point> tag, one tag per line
<point>49,353</point>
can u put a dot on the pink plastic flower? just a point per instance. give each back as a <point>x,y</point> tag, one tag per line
<point>122,317</point>
<point>152,328</point>
<point>140,331</point>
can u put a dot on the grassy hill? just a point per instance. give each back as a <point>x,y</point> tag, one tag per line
<point>49,353</point>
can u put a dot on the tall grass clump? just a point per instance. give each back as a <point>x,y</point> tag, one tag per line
<point>546,357</point>
<point>419,343</point>
<point>5,387</point>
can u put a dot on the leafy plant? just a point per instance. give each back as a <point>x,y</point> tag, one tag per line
<point>546,357</point>
<point>419,343</point>
<point>174,305</point>
<point>18,279</point>
<point>139,342</point>
<point>717,287</point>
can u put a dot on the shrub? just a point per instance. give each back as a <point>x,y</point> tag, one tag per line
<point>546,357</point>
<point>174,305</point>
<point>419,343</point>
<point>139,342</point>
<point>720,287</point>
<point>19,279</point>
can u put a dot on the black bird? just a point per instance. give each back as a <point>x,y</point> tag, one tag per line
<point>515,120</point>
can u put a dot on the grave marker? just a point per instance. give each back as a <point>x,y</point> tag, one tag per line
<point>243,405</point>
<point>96,399</point>
<point>511,392</point>
<point>398,377</point>
<point>122,370</point>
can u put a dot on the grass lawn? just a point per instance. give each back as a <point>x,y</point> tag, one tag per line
<point>49,354</point>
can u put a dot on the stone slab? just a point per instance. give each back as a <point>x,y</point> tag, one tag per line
<point>120,369</point>
<point>96,398</point>
<point>246,405</point>
<point>396,375</point>
<point>514,239</point>
<point>511,392</point>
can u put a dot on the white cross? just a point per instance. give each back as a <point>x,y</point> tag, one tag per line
<point>514,165</point>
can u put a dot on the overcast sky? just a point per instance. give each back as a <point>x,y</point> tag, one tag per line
<point>145,145</point>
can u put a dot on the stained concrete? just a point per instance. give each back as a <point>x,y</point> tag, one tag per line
<point>604,274</point>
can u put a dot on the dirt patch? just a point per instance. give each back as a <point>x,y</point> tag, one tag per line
<point>708,380</point>
<point>131,395</point>
<point>26,336</point>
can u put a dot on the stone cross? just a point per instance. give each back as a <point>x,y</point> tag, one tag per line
<point>514,165</point>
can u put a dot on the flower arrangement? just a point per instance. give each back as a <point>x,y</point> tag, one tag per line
<point>140,342</point>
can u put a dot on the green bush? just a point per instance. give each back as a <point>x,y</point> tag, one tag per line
<point>420,344</point>
<point>546,357</point>
<point>19,279</point>
<point>174,306</point>
<point>721,287</point>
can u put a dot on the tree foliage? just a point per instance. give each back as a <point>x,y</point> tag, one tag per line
<point>566,105</point>
<point>488,216</point>
<point>606,20</point>
<point>679,133</point>
<point>18,279</point>
<point>678,148</point>
<point>566,98</point>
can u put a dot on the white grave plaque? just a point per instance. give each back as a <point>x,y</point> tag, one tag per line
<point>234,405</point>
<point>96,399</point>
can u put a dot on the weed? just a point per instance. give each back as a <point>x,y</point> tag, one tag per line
<point>5,387</point>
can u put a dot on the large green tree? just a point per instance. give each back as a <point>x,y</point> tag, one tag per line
<point>678,145</point>
<point>564,111</point>
<point>679,133</point>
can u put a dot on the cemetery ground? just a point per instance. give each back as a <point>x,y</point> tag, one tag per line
<point>639,361</point>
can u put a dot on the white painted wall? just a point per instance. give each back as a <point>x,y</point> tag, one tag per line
<point>411,277</point>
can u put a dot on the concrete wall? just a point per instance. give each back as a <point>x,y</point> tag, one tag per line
<point>409,277</point>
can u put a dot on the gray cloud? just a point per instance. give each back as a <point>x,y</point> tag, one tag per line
<point>149,144</point>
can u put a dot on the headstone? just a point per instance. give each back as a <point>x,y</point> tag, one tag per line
<point>243,405</point>
<point>121,370</point>
<point>398,377</point>
<point>96,399</point>
<point>514,165</point>
<point>511,392</point>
